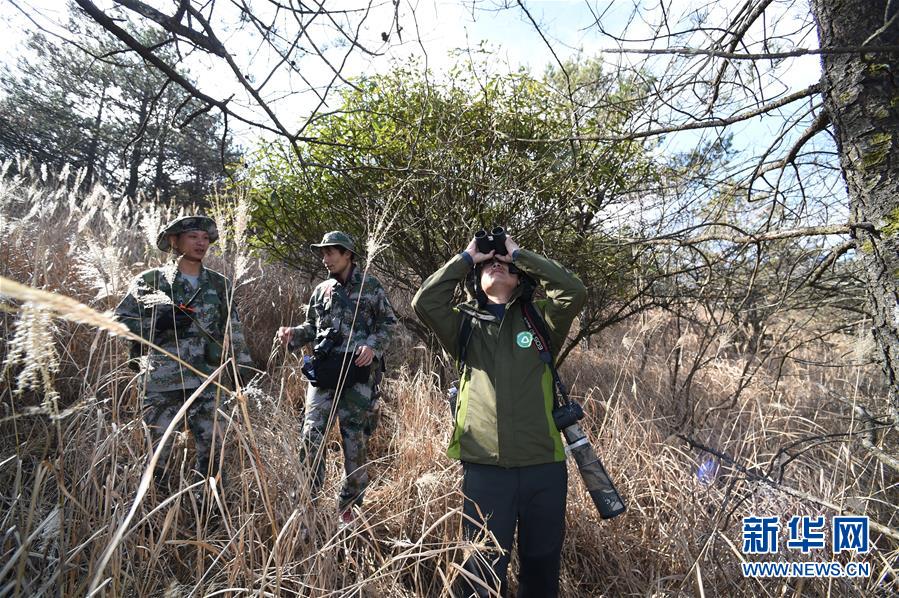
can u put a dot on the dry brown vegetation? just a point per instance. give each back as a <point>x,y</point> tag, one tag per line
<point>73,448</point>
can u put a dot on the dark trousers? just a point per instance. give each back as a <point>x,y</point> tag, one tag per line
<point>531,498</point>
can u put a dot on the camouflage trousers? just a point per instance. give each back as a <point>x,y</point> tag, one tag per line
<point>160,408</point>
<point>356,416</point>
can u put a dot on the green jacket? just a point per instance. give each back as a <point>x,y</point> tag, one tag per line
<point>504,407</point>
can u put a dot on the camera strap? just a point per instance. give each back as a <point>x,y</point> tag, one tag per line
<point>537,327</point>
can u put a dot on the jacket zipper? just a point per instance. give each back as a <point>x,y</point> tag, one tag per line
<point>496,369</point>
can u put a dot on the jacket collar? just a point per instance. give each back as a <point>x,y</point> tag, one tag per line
<point>354,279</point>
<point>476,311</point>
<point>202,276</point>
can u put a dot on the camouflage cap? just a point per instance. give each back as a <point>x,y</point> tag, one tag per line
<point>335,238</point>
<point>184,224</point>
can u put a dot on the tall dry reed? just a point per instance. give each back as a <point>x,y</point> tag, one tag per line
<point>74,449</point>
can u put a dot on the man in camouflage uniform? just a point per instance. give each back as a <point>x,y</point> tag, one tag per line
<point>360,311</point>
<point>187,310</point>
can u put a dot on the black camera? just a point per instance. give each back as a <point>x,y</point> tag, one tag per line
<point>330,368</point>
<point>567,414</point>
<point>325,341</point>
<point>324,344</point>
<point>495,240</point>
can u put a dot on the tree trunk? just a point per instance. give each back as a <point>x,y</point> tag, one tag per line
<point>135,158</point>
<point>91,174</point>
<point>160,160</point>
<point>861,97</point>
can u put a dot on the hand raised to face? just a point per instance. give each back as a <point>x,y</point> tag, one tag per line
<point>476,256</point>
<point>511,247</point>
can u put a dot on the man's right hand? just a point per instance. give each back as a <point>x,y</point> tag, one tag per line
<point>285,335</point>
<point>476,256</point>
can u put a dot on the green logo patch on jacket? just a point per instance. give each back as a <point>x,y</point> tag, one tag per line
<point>524,339</point>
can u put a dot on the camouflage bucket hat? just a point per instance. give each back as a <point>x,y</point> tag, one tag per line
<point>184,224</point>
<point>335,238</point>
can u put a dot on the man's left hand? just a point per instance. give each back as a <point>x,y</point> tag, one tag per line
<point>511,247</point>
<point>364,356</point>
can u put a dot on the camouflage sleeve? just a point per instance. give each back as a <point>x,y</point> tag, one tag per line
<point>384,321</point>
<point>305,332</point>
<point>132,313</point>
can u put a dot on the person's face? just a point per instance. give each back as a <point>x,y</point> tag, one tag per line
<point>496,278</point>
<point>335,259</point>
<point>191,244</point>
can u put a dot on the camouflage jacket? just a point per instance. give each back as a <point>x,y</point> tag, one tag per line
<point>333,305</point>
<point>200,344</point>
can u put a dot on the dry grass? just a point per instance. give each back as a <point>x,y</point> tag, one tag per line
<point>74,449</point>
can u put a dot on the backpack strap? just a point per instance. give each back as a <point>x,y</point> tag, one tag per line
<point>465,332</point>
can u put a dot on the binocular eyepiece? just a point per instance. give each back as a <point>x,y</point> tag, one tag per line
<point>495,240</point>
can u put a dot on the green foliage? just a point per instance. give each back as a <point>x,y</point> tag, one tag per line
<point>443,159</point>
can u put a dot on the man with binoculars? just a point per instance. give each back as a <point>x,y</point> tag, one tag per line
<point>350,321</point>
<point>514,471</point>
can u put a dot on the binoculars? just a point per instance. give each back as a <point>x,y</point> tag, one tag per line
<point>495,240</point>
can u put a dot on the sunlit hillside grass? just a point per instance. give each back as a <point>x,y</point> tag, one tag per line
<point>75,516</point>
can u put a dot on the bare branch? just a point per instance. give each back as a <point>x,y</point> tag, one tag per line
<point>702,124</point>
<point>756,476</point>
<point>820,124</point>
<point>861,49</point>
<point>743,237</point>
<point>110,25</point>
<point>243,79</point>
<point>173,25</point>
<point>737,38</point>
<point>831,259</point>
<point>869,440</point>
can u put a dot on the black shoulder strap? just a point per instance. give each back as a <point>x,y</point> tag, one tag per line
<point>465,332</point>
<point>533,317</point>
<point>537,327</point>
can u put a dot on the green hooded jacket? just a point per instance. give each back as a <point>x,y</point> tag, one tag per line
<point>504,407</point>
